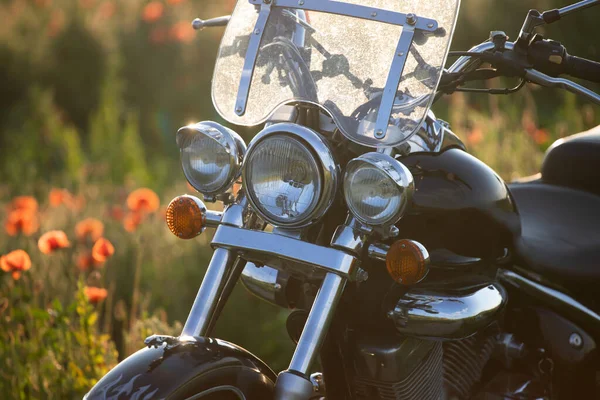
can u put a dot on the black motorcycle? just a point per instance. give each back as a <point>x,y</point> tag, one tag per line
<point>413,271</point>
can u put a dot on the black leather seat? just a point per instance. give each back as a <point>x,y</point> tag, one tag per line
<point>575,162</point>
<point>560,216</point>
<point>560,233</point>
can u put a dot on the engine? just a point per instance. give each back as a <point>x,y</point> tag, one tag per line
<point>394,368</point>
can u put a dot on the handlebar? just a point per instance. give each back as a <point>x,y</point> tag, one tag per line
<point>199,24</point>
<point>582,68</point>
<point>577,66</point>
<point>551,57</point>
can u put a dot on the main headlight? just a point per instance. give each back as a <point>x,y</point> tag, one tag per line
<point>211,156</point>
<point>377,189</point>
<point>289,175</point>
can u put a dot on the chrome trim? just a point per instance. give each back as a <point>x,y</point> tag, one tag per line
<point>378,251</point>
<point>251,56</point>
<point>349,237</point>
<point>266,283</point>
<point>291,386</point>
<point>397,172</point>
<point>199,24</point>
<point>448,314</point>
<point>468,63</point>
<point>235,214</point>
<point>434,136</point>
<point>212,218</point>
<point>535,76</point>
<point>319,147</point>
<point>283,252</point>
<point>202,312</point>
<point>553,297</point>
<point>388,97</point>
<point>233,143</point>
<point>357,11</point>
<point>317,324</point>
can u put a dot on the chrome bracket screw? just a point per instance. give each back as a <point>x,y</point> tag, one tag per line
<point>576,341</point>
<point>411,19</point>
<point>379,134</point>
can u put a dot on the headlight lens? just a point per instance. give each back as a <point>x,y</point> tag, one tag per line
<point>284,176</point>
<point>377,188</point>
<point>289,175</point>
<point>211,156</point>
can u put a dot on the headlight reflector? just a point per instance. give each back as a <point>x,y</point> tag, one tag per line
<point>377,188</point>
<point>211,156</point>
<point>285,178</point>
<point>289,175</point>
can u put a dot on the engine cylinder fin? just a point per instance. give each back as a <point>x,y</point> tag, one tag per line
<point>425,382</point>
<point>463,363</point>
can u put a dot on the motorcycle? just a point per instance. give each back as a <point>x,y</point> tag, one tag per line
<point>412,269</point>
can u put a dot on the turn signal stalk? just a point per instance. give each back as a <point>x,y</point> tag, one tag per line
<point>186,216</point>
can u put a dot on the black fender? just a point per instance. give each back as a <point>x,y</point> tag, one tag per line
<point>177,369</point>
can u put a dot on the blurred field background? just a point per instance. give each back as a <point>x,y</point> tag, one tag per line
<point>91,94</point>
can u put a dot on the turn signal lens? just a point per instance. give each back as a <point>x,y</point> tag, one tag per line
<point>407,262</point>
<point>186,216</point>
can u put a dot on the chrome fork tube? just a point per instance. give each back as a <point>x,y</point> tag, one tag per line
<point>210,293</point>
<point>294,384</point>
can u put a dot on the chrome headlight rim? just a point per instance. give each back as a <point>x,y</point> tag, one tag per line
<point>234,145</point>
<point>397,172</point>
<point>329,171</point>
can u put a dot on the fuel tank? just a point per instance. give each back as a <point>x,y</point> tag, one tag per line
<point>459,204</point>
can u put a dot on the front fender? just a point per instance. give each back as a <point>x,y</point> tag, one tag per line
<point>177,370</point>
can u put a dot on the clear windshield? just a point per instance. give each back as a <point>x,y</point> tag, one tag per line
<point>340,62</point>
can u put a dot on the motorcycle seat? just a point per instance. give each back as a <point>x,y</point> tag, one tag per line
<point>560,235</point>
<point>574,162</point>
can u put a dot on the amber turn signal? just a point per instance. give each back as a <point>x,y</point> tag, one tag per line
<point>186,216</point>
<point>407,262</point>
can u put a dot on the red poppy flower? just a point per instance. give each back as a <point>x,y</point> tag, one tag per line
<point>541,136</point>
<point>53,240</point>
<point>153,11</point>
<point>21,221</point>
<point>95,294</point>
<point>24,203</point>
<point>182,32</point>
<point>132,220</point>
<point>117,213</point>
<point>143,200</point>
<point>102,250</point>
<point>174,2</point>
<point>475,136</point>
<point>85,261</point>
<point>60,196</point>
<point>15,262</point>
<point>89,227</point>
<point>107,9</point>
